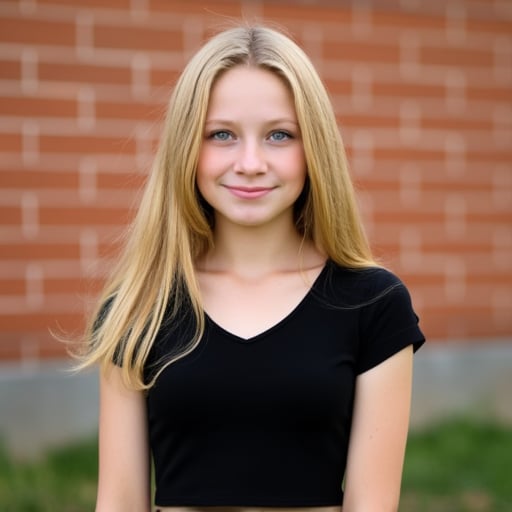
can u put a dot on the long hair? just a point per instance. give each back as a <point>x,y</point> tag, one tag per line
<point>155,275</point>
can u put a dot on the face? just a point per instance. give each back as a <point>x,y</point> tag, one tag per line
<point>251,166</point>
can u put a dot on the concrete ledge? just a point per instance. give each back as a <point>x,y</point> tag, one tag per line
<point>457,378</point>
<point>45,405</point>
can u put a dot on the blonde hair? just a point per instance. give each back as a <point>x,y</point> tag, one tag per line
<point>155,276</point>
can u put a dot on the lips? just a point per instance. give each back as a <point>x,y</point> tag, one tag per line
<point>249,192</point>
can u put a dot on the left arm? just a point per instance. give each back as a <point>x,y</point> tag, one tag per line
<point>378,437</point>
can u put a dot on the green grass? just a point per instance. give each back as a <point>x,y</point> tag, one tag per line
<point>62,481</point>
<point>459,466</point>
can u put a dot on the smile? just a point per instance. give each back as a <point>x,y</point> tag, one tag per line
<point>249,192</point>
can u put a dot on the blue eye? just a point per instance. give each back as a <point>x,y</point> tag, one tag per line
<point>221,135</point>
<point>280,136</point>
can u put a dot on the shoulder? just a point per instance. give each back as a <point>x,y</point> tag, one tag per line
<point>359,286</point>
<point>382,305</point>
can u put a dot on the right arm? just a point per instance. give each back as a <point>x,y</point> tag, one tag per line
<point>124,460</point>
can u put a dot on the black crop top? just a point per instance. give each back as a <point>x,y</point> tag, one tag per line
<point>266,421</point>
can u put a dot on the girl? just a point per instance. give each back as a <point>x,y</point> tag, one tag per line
<point>247,340</point>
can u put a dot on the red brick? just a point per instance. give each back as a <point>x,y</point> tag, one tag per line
<point>42,346</point>
<point>36,31</point>
<point>492,26</point>
<point>164,78</point>
<point>10,70</point>
<point>38,179</point>
<point>111,249</point>
<point>39,322</point>
<point>461,322</point>
<point>203,8</point>
<point>372,185</point>
<point>85,144</point>
<point>418,91</point>
<point>446,56</point>
<point>10,142</point>
<point>84,216</point>
<point>10,215</point>
<point>138,38</point>
<point>442,187</point>
<point>43,251</point>
<point>121,181</point>
<point>418,280</point>
<point>490,94</point>
<point>496,280</point>
<point>130,110</point>
<point>284,14</point>
<point>493,218</point>
<point>413,219</point>
<point>23,106</point>
<point>12,286</point>
<point>448,246</point>
<point>10,347</point>
<point>72,286</point>
<point>361,52</point>
<point>84,73</point>
<point>368,121</point>
<point>52,348</point>
<point>408,154</point>
<point>459,123</point>
<point>492,156</point>
<point>342,87</point>
<point>104,4</point>
<point>400,20</point>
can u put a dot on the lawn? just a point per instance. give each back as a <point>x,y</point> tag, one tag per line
<point>458,466</point>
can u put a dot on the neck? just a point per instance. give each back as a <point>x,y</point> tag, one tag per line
<point>256,250</point>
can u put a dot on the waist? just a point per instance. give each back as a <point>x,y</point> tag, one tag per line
<point>248,509</point>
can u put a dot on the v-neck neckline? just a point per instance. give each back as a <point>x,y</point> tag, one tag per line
<point>280,323</point>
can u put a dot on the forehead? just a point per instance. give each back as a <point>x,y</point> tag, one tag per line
<point>245,88</point>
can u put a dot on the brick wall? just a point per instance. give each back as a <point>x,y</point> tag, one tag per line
<point>423,92</point>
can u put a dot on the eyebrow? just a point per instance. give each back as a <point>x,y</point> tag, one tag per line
<point>269,122</point>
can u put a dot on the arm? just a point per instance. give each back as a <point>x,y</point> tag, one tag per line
<point>378,436</point>
<point>124,462</point>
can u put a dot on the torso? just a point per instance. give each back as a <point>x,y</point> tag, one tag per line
<point>247,400</point>
<point>265,302</point>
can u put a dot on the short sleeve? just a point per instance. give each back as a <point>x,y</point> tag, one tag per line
<point>388,323</point>
<point>98,322</point>
<point>102,314</point>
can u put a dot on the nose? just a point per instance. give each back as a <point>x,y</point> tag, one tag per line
<point>251,159</point>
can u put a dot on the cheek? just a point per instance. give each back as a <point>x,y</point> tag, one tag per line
<point>204,169</point>
<point>201,188</point>
<point>210,161</point>
<point>202,183</point>
<point>298,167</point>
<point>201,162</point>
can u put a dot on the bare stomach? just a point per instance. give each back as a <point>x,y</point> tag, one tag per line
<point>247,509</point>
